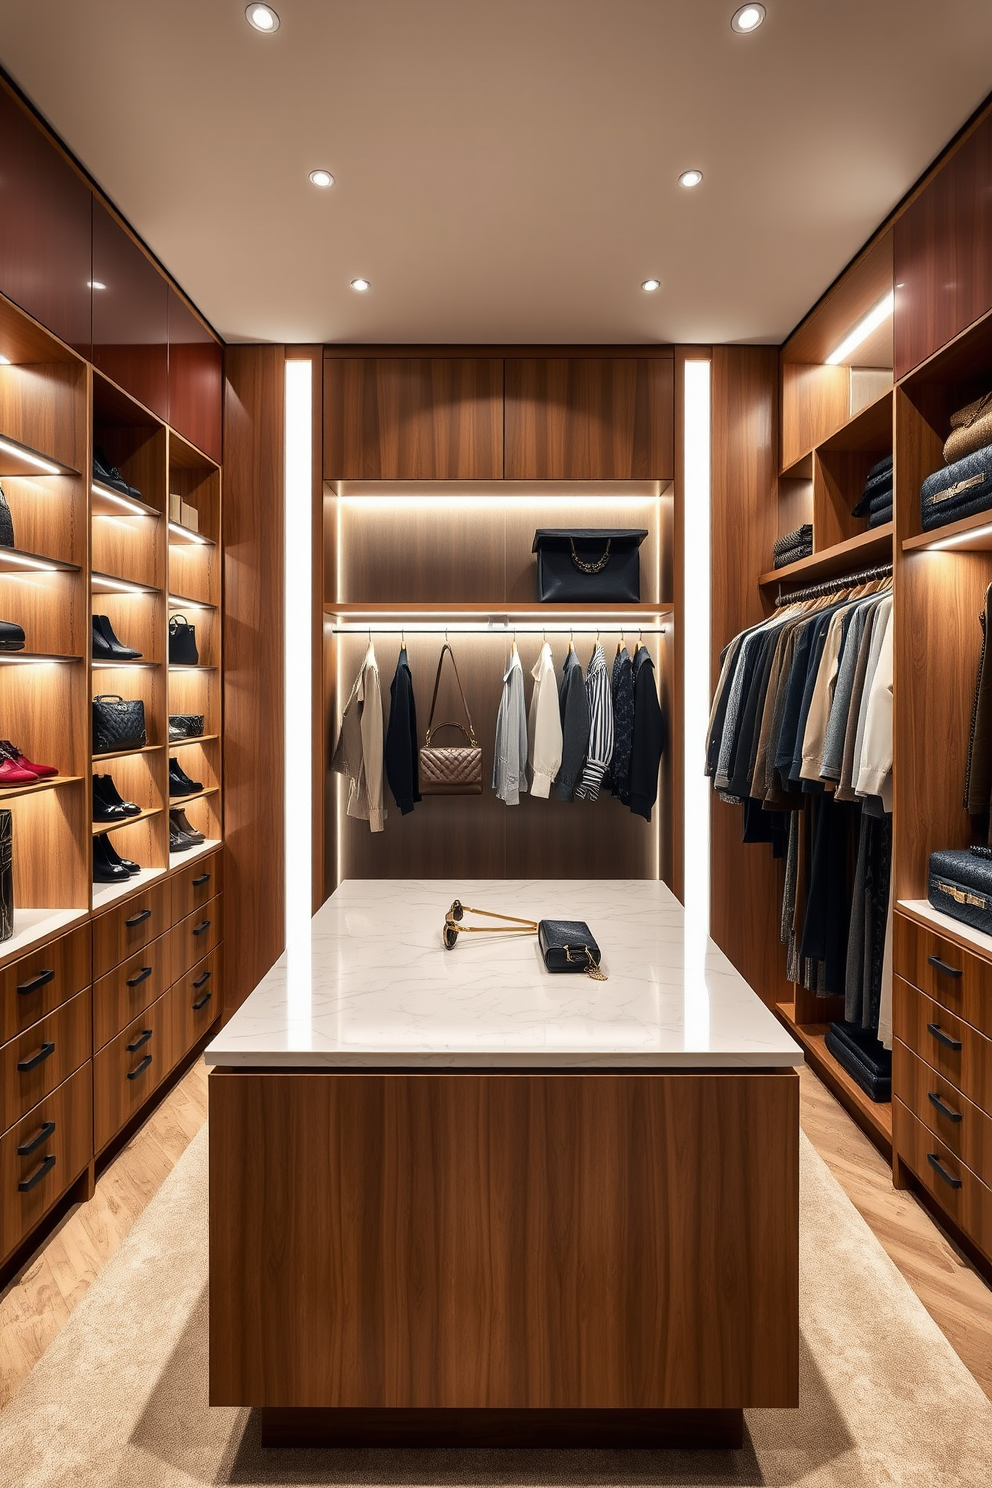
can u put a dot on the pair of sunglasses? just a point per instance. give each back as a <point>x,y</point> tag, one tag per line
<point>453,928</point>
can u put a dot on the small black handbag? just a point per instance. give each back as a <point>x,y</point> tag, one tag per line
<point>6,523</point>
<point>182,642</point>
<point>185,726</point>
<point>960,884</point>
<point>118,724</point>
<point>568,945</point>
<point>588,565</point>
<point>6,875</point>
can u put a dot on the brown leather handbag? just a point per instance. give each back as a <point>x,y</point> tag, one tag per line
<point>455,770</point>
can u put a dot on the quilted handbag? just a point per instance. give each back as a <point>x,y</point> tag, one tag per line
<point>569,945</point>
<point>118,723</point>
<point>588,565</point>
<point>6,523</point>
<point>182,642</point>
<point>452,770</point>
<point>958,490</point>
<point>960,884</point>
<point>6,875</point>
<point>185,726</point>
<point>971,429</point>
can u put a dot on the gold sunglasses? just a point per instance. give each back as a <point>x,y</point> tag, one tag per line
<point>452,929</point>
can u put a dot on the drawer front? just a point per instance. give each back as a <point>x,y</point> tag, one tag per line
<point>120,932</point>
<point>947,1043</point>
<point>42,1154</point>
<point>944,970</point>
<point>38,1060</point>
<point>960,1193</point>
<point>195,936</point>
<point>196,885</point>
<point>963,1128</point>
<point>42,981</point>
<point>124,992</point>
<point>196,1002</point>
<point>128,1069</point>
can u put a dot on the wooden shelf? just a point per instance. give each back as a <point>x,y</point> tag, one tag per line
<point>199,739</point>
<point>112,584</point>
<point>923,912</point>
<point>34,658</point>
<point>399,611</point>
<point>175,666</point>
<point>874,1117</point>
<point>180,801</point>
<point>34,925</point>
<point>180,859</point>
<point>21,460</point>
<point>99,666</point>
<point>100,829</point>
<point>126,753</point>
<point>180,534</point>
<point>9,792</point>
<point>110,503</point>
<point>857,552</point>
<point>180,602</point>
<point>869,429</point>
<point>107,894</point>
<point>17,561</point>
<point>969,535</point>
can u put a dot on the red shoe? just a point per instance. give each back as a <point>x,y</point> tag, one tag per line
<point>14,755</point>
<point>14,774</point>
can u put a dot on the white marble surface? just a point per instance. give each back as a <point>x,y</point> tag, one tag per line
<point>374,988</point>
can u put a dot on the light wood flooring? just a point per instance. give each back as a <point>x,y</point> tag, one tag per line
<point>36,1305</point>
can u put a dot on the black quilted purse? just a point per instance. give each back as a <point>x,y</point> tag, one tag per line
<point>118,724</point>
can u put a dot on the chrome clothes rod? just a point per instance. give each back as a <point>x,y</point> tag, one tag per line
<point>502,631</point>
<point>835,585</point>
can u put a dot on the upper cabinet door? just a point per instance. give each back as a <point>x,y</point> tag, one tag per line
<point>196,378</point>
<point>590,418</point>
<point>130,315</point>
<point>413,418</point>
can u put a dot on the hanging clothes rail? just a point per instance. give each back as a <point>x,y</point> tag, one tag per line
<point>467,628</point>
<point>835,585</point>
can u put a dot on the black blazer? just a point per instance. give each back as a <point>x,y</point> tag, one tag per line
<point>400,753</point>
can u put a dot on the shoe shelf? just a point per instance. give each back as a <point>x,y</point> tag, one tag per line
<point>18,562</point>
<point>105,895</point>
<point>21,459</point>
<point>185,743</point>
<point>182,602</point>
<point>175,666</point>
<point>180,801</point>
<point>180,859</point>
<point>36,658</point>
<point>180,534</point>
<point>127,666</point>
<point>100,829</point>
<point>107,502</point>
<point>54,782</point>
<point>112,584</point>
<point>115,754</point>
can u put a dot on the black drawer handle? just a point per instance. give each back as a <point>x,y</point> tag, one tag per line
<point>204,978</point>
<point>199,929</point>
<point>943,968</point>
<point>203,878</point>
<point>29,1064</point>
<point>41,1171</point>
<point>36,983</point>
<point>944,1110</point>
<point>142,976</point>
<point>142,1038</point>
<point>139,918</point>
<point>202,1002</point>
<point>47,1130</point>
<point>938,1167</point>
<point>944,1038</point>
<point>140,1068</point>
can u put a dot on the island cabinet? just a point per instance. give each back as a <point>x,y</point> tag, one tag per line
<point>473,1202</point>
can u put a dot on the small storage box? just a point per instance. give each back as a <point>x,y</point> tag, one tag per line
<point>588,565</point>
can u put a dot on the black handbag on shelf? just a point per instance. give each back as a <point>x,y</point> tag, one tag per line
<point>182,642</point>
<point>588,565</point>
<point>117,723</point>
<point>568,945</point>
<point>6,875</point>
<point>185,726</point>
<point>959,490</point>
<point>960,884</point>
<point>6,523</point>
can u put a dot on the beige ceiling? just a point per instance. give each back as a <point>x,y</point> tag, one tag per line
<point>506,169</point>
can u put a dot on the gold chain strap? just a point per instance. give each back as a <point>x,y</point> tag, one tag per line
<point>591,568</point>
<point>590,968</point>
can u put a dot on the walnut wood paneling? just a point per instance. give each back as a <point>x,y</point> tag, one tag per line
<point>126,991</point>
<point>958,1191</point>
<point>196,378</point>
<point>413,418</point>
<point>253,665</point>
<point>815,402</point>
<point>127,1070</point>
<point>937,965</point>
<point>526,1241</point>
<point>932,1032</point>
<point>745,880</point>
<point>130,315</point>
<point>63,1120</point>
<point>128,927</point>
<point>571,418</point>
<point>63,1040</point>
<point>43,406</point>
<point>196,884</point>
<point>196,935</point>
<point>939,1105</point>
<point>195,1002</point>
<point>40,982</point>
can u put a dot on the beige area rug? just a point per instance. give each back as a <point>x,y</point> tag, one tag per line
<point>119,1400</point>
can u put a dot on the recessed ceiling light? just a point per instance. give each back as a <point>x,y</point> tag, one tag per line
<point>651,285</point>
<point>748,18</point>
<point>263,18</point>
<point>361,285</point>
<point>690,178</point>
<point>95,284</point>
<point>321,178</point>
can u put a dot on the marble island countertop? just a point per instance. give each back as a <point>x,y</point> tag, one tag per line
<point>373,987</point>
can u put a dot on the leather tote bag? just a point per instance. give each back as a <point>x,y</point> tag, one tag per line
<point>6,875</point>
<point>182,642</point>
<point>588,565</point>
<point>117,723</point>
<point>452,770</point>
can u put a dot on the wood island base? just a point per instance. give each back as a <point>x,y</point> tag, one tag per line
<point>502,1428</point>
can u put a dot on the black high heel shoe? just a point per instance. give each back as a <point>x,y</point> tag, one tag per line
<point>104,870</point>
<point>106,646</point>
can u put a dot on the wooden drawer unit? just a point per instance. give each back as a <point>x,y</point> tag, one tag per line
<point>195,936</point>
<point>194,886</point>
<point>121,931</point>
<point>124,992</point>
<point>196,1002</point>
<point>38,1060</point>
<point>954,977</point>
<point>128,1069</point>
<point>947,1043</point>
<point>42,1154</point>
<point>40,982</point>
<point>959,1191</point>
<point>962,1126</point>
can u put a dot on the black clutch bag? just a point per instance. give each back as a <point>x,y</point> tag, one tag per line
<point>6,875</point>
<point>960,884</point>
<point>185,726</point>
<point>182,642</point>
<point>588,565</point>
<point>118,724</point>
<point>568,945</point>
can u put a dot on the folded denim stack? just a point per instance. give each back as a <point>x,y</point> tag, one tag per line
<point>875,501</point>
<point>793,545</point>
<point>959,490</point>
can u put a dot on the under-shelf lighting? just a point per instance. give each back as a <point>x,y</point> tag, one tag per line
<point>187,534</point>
<point>124,502</point>
<point>111,585</point>
<point>37,565</point>
<point>45,466</point>
<point>862,330</point>
<point>961,538</point>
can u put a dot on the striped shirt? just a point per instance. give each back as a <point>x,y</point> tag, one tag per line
<point>600,750</point>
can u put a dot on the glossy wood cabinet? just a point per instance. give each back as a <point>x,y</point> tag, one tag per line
<point>130,315</point>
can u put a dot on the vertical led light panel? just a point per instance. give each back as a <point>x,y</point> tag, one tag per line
<point>696,673</point>
<point>298,702</point>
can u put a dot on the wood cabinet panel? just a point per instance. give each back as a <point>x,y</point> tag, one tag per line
<point>39,1059</point>
<point>128,1069</point>
<point>949,1045</point>
<point>951,975</point>
<point>196,885</point>
<point>958,1190</point>
<point>123,993</point>
<point>196,379</point>
<point>964,1128</point>
<point>195,1003</point>
<point>130,315</point>
<point>589,418</point>
<point>194,936</point>
<point>41,981</point>
<point>125,929</point>
<point>45,1151</point>
<point>413,418</point>
<point>503,1240</point>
